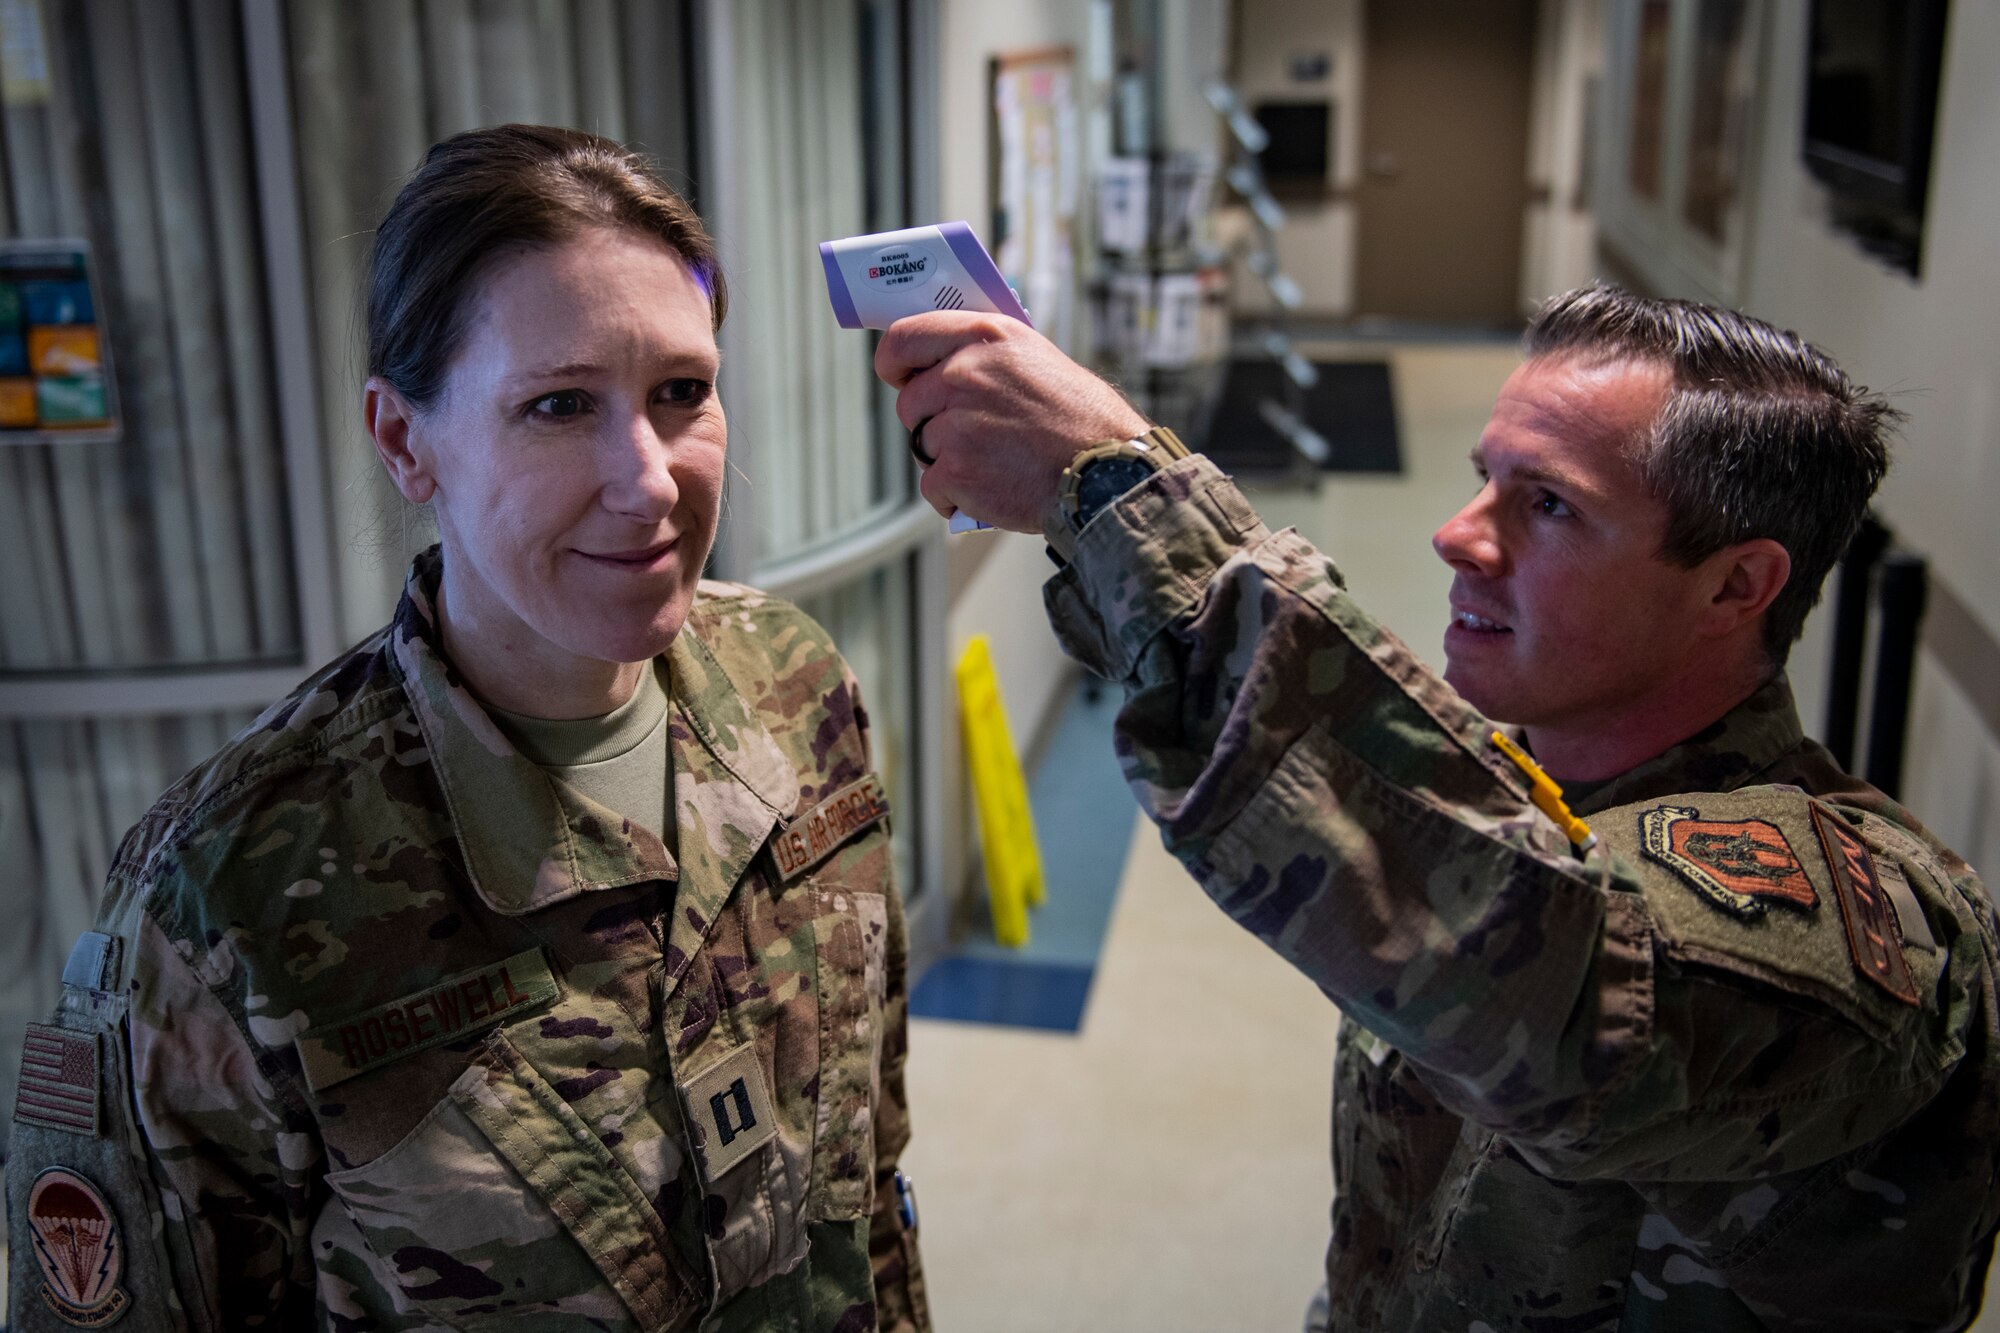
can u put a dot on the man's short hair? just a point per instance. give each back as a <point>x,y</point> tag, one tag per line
<point>1761,435</point>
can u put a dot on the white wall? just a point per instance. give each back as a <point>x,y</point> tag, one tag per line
<point>1194,42</point>
<point>1559,238</point>
<point>1002,598</point>
<point>999,575</point>
<point>971,33</point>
<point>1931,343</point>
<point>1317,244</point>
<point>1003,601</point>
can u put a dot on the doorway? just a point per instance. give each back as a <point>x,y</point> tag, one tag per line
<point>1443,185</point>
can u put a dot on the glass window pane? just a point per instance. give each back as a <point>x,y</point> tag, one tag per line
<point>817,131</point>
<point>127,127</point>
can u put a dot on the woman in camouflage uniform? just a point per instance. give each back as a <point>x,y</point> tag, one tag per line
<point>537,962</point>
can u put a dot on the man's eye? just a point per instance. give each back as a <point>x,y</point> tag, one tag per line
<point>1552,505</point>
<point>561,404</point>
<point>688,392</point>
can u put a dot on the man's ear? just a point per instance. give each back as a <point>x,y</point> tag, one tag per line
<point>1748,578</point>
<point>390,420</point>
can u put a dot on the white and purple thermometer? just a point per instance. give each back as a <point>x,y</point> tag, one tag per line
<point>875,280</point>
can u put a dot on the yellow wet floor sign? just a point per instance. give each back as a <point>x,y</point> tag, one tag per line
<point>1006,824</point>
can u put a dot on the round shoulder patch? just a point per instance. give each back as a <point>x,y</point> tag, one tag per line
<point>78,1247</point>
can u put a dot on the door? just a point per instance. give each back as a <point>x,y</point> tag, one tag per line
<point>1444,133</point>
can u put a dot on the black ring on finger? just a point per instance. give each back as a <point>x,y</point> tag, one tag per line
<point>917,444</point>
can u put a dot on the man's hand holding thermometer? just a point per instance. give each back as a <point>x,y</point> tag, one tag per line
<point>996,407</point>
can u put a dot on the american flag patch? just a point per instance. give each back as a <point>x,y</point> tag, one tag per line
<point>58,1080</point>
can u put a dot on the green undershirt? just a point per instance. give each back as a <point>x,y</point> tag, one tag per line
<point>619,760</point>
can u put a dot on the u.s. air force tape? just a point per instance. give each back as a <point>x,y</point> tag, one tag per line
<point>448,1010</point>
<point>819,832</point>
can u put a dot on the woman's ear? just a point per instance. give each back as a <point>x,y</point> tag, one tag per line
<point>390,420</point>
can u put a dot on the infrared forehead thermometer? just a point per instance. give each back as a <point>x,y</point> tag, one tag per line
<point>875,280</point>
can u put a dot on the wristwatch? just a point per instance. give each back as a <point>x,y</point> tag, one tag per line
<point>1109,468</point>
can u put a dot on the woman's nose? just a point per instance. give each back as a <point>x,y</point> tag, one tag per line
<point>1469,540</point>
<point>641,482</point>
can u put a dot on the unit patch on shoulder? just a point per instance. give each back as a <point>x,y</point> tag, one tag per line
<point>815,835</point>
<point>1874,937</point>
<point>78,1247</point>
<point>58,1088</point>
<point>1740,865</point>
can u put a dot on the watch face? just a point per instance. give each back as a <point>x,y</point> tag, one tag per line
<point>1104,481</point>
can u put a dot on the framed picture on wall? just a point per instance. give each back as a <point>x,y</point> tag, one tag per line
<point>1683,77</point>
<point>55,356</point>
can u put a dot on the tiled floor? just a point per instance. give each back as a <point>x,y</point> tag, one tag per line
<point>1166,1167</point>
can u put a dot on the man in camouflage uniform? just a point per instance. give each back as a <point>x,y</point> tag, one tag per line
<point>380,1028</point>
<point>1721,1055</point>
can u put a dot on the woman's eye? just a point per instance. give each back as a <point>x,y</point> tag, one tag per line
<point>687,392</point>
<point>562,404</point>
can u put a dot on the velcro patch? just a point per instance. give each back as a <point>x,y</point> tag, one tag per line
<point>1874,935</point>
<point>89,963</point>
<point>78,1247</point>
<point>1740,865</point>
<point>59,1080</point>
<point>819,832</point>
<point>730,1109</point>
<point>453,1009</point>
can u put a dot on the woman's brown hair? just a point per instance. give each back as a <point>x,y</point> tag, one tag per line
<point>485,193</point>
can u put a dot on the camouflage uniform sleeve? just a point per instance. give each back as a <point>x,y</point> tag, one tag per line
<point>188,1160</point>
<point>1342,804</point>
<point>900,1305</point>
<point>224,1145</point>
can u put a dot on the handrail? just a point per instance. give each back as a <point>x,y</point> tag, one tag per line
<point>155,692</point>
<point>880,535</point>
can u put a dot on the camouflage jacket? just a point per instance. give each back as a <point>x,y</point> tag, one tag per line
<point>384,1028</point>
<point>1734,1069</point>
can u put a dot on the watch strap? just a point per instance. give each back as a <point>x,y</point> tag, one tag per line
<point>1155,450</point>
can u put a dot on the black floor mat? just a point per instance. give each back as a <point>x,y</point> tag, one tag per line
<point>1352,407</point>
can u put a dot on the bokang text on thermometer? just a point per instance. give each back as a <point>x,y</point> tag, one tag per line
<point>875,280</point>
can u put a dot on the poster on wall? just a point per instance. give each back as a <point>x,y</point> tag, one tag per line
<point>55,355</point>
<point>1038,175</point>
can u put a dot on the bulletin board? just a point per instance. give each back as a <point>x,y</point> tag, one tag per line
<point>55,355</point>
<point>1037,171</point>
